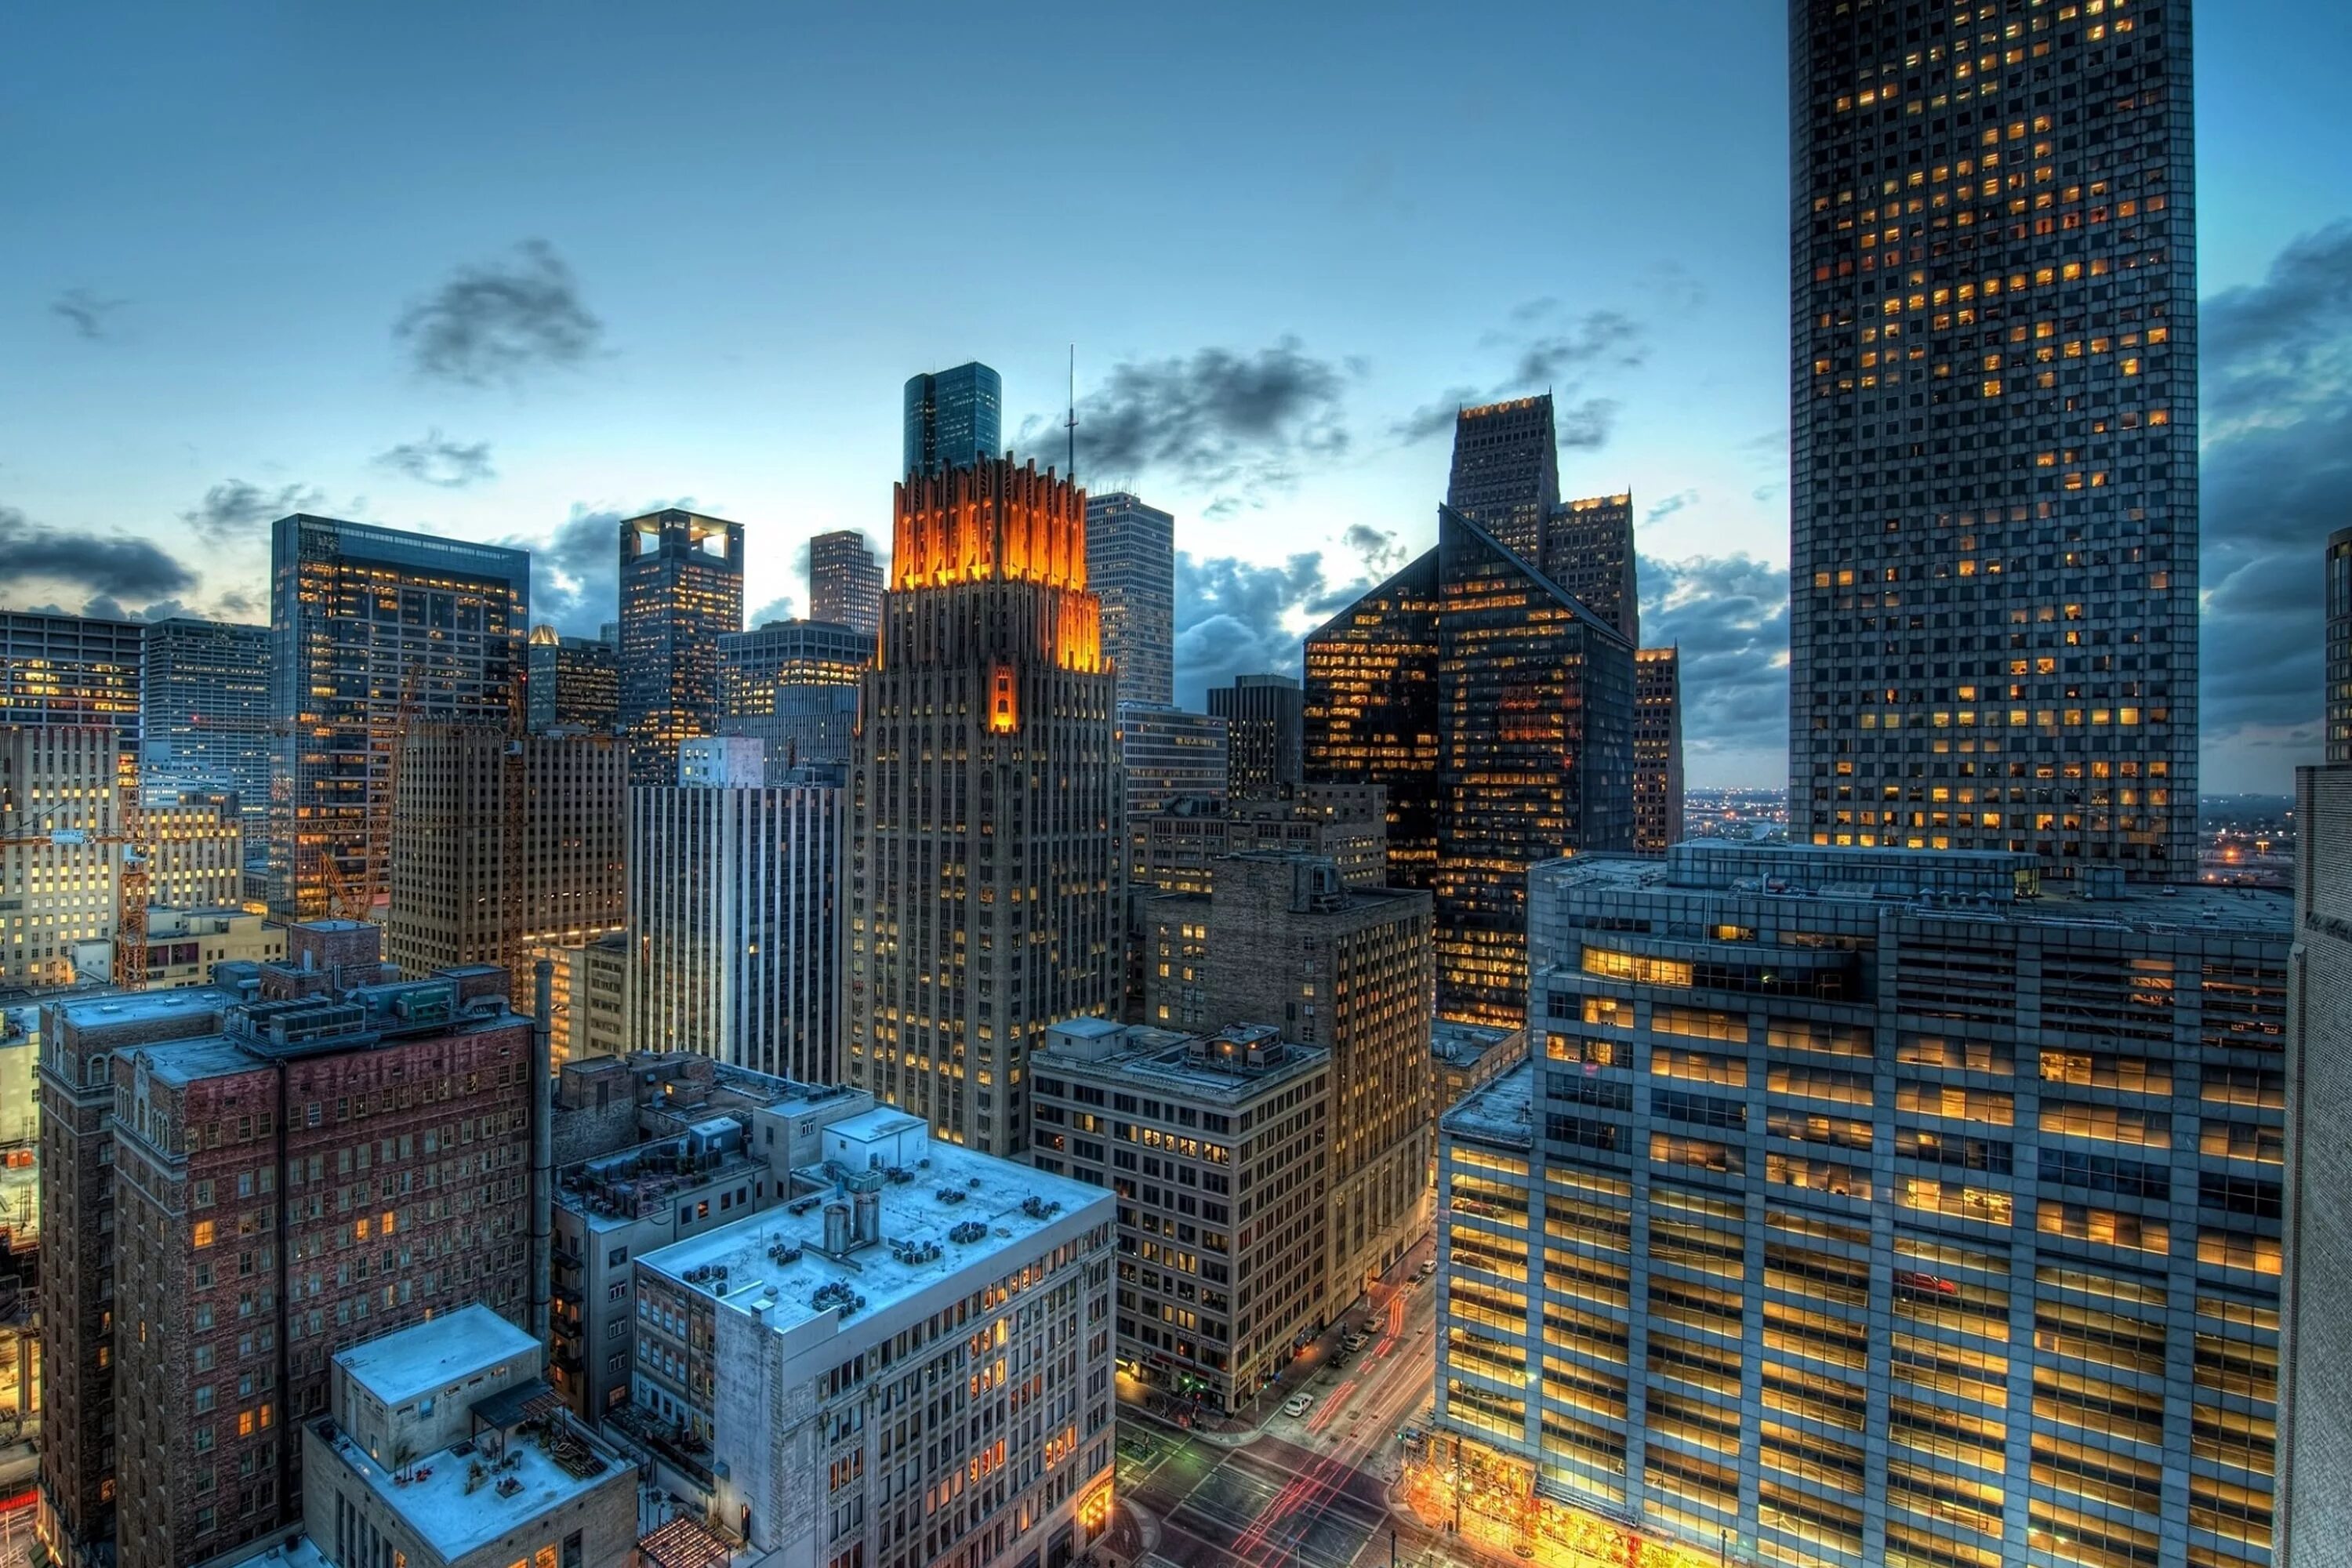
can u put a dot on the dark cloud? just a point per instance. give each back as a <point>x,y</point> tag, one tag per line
<point>501,320</point>
<point>436,460</point>
<point>112,568</point>
<point>575,571</point>
<point>237,602</point>
<point>2277,477</point>
<point>234,506</point>
<point>1729,615</point>
<point>1236,423</point>
<point>1596,338</point>
<point>1377,548</point>
<point>1585,426</point>
<point>1240,617</point>
<point>1548,353</point>
<point>87,312</point>
<point>1434,419</point>
<point>1662,509</point>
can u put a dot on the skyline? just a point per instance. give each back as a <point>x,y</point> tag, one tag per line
<point>608,310</point>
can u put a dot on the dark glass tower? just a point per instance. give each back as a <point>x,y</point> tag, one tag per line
<point>954,418</point>
<point>1500,714</point>
<point>575,682</point>
<point>204,701</point>
<point>1505,475</point>
<point>681,591</point>
<point>1588,549</point>
<point>1993,431</point>
<point>1264,717</point>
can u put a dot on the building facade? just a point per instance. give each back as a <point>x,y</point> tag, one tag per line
<point>1505,472</point>
<point>985,874</point>
<point>1498,713</point>
<point>845,583</point>
<point>1657,749</point>
<point>1132,566</point>
<point>681,591</point>
<point>1587,550</point>
<point>61,861</point>
<point>574,682</point>
<point>182,945</point>
<point>756,667</point>
<point>954,418</point>
<point>1231,1126</point>
<point>502,844</point>
<point>1891,1209</point>
<point>72,670</point>
<point>371,630</point>
<point>1993,582</point>
<point>204,714</point>
<point>734,905</point>
<point>1264,719</point>
<point>2339,568</point>
<point>921,1373</point>
<point>1177,850</point>
<point>1169,755</point>
<point>196,856</point>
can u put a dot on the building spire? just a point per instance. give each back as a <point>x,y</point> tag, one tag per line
<point>1071,424</point>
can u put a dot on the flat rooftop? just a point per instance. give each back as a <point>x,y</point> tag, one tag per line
<point>1173,1061</point>
<point>1458,1043</point>
<point>111,1007</point>
<point>1501,1112</point>
<point>436,1503</point>
<point>957,1187</point>
<point>426,1357</point>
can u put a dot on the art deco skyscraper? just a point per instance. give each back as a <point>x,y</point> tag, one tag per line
<point>374,629</point>
<point>1993,432</point>
<point>1500,714</point>
<point>681,591</point>
<point>1131,565</point>
<point>954,418</point>
<point>845,580</point>
<point>984,879</point>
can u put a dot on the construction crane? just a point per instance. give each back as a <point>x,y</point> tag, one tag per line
<point>131,879</point>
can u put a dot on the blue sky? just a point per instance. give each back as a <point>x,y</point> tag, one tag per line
<point>648,256</point>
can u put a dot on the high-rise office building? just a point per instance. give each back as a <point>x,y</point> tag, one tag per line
<point>71,669</point>
<point>195,857</point>
<point>203,714</point>
<point>1867,1205</point>
<point>1505,472</point>
<point>1500,714</point>
<point>1264,719</point>
<point>574,682</point>
<point>954,418</point>
<point>735,907</point>
<point>754,665</point>
<point>845,583</point>
<point>1177,850</point>
<point>985,878</point>
<point>371,630</point>
<point>1132,566</point>
<point>1657,749</point>
<point>1587,550</point>
<point>681,591</point>
<point>238,1289</point>
<point>502,845</point>
<point>1994,435</point>
<point>2339,704</point>
<point>1169,755</point>
<point>1283,940</point>
<point>60,847</point>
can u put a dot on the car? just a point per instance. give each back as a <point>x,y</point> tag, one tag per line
<point>1428,1266</point>
<point>1297,1404</point>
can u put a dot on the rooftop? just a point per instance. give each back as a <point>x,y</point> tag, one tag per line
<point>455,1513</point>
<point>1452,1042</point>
<point>1500,1112</point>
<point>109,1008</point>
<point>1232,1067</point>
<point>415,1361</point>
<point>959,1210</point>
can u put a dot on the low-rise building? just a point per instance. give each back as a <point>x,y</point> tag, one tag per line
<point>1463,1055</point>
<point>908,1362</point>
<point>1216,1144</point>
<point>182,946</point>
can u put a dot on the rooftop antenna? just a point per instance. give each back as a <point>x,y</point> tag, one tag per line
<point>1071,424</point>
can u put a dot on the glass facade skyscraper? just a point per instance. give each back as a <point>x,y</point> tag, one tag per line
<point>1131,564</point>
<point>1505,473</point>
<point>71,669</point>
<point>845,583</point>
<point>575,682</point>
<point>681,591</point>
<point>1993,431</point>
<point>954,418</point>
<point>204,700</point>
<point>1499,715</point>
<point>1265,722</point>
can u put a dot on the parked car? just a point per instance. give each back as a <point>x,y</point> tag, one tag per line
<point>1297,1404</point>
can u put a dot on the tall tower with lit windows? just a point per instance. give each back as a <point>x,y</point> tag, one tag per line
<point>984,879</point>
<point>1993,431</point>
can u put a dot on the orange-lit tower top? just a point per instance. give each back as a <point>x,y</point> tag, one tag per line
<point>996,523</point>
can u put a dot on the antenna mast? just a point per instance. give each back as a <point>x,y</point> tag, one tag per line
<point>1071,424</point>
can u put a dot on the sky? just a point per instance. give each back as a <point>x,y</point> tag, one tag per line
<point>512,272</point>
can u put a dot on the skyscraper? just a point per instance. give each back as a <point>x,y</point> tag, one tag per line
<point>1588,549</point>
<point>954,418</point>
<point>1500,714</point>
<point>1169,755</point>
<point>1505,473</point>
<point>681,591</point>
<point>1994,435</point>
<point>735,907</point>
<point>61,861</point>
<point>71,669</point>
<point>1264,717</point>
<point>2339,704</point>
<point>845,581</point>
<point>985,876</point>
<point>753,664</point>
<point>502,845</point>
<point>1131,564</point>
<point>575,682</point>
<point>373,629</point>
<point>204,714</point>
<point>1657,749</point>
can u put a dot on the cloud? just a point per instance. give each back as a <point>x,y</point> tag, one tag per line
<point>2277,478</point>
<point>1599,336</point>
<point>1729,615</point>
<point>1434,419</point>
<point>1242,618</point>
<point>87,312</point>
<point>1662,509</point>
<point>1548,353</point>
<point>501,321</point>
<point>233,506</point>
<point>575,571</point>
<point>779,608</point>
<point>110,567</point>
<point>436,460</point>
<point>1377,548</point>
<point>1585,426</point>
<point>1233,422</point>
